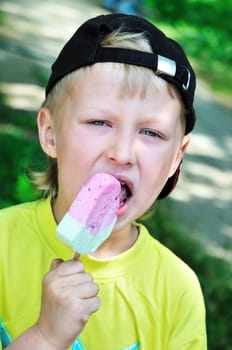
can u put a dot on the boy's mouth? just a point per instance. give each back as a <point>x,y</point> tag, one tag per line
<point>125,194</point>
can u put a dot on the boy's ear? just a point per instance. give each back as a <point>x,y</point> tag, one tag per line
<point>180,154</point>
<point>46,132</point>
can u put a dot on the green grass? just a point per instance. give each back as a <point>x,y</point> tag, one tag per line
<point>20,150</point>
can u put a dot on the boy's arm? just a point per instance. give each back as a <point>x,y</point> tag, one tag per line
<point>69,297</point>
<point>33,339</point>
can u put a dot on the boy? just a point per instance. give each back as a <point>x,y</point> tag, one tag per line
<point>119,100</point>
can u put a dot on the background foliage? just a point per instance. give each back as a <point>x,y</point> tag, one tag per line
<point>204,28</point>
<point>215,274</point>
<point>20,151</point>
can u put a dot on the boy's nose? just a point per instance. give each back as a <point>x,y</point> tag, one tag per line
<point>122,151</point>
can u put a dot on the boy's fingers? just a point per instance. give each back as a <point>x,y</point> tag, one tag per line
<point>87,290</point>
<point>55,263</point>
<point>68,267</point>
<point>91,304</point>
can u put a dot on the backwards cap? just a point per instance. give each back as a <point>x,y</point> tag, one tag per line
<point>168,60</point>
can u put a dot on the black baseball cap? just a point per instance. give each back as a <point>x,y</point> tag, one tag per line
<point>168,60</point>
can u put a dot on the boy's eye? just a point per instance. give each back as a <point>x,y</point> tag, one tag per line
<point>99,122</point>
<point>149,132</point>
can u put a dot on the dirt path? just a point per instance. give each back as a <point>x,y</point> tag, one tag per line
<point>203,197</point>
<point>31,37</point>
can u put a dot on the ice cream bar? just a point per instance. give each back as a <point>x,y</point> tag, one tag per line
<point>92,215</point>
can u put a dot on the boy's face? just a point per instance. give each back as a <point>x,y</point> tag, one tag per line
<point>100,128</point>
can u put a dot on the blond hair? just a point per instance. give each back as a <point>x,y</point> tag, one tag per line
<point>135,76</point>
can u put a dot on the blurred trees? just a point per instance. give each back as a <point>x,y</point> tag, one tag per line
<point>197,12</point>
<point>204,28</point>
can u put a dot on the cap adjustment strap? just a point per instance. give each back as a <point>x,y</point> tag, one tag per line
<point>159,64</point>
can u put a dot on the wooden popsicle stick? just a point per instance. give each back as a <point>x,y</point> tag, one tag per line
<point>76,256</point>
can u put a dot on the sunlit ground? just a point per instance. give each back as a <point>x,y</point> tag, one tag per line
<point>203,197</point>
<point>22,96</point>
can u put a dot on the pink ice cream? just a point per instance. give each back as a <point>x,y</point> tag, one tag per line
<point>92,215</point>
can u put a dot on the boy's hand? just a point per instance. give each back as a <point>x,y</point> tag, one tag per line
<point>69,297</point>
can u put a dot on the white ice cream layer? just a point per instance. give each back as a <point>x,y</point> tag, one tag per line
<point>77,236</point>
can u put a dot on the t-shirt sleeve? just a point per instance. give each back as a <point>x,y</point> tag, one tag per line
<point>198,343</point>
<point>189,326</point>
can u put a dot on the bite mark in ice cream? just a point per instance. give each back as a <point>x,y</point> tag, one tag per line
<point>92,215</point>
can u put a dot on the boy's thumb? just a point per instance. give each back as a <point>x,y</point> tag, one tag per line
<point>55,263</point>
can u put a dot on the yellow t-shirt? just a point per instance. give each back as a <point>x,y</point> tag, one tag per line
<point>150,299</point>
